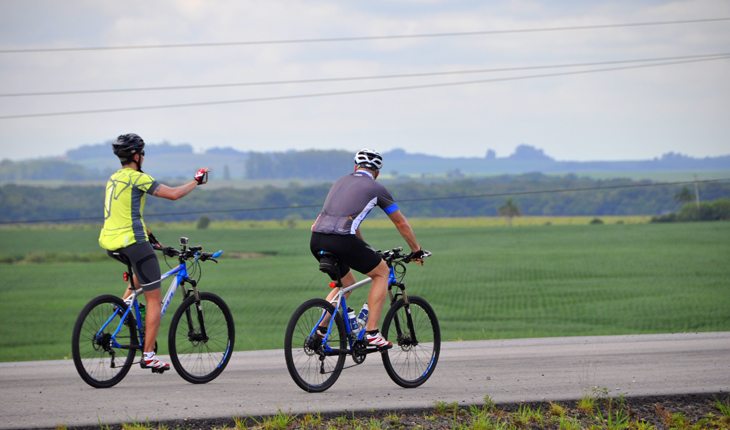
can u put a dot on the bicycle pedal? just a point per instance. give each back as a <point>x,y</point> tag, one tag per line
<point>379,348</point>
<point>160,371</point>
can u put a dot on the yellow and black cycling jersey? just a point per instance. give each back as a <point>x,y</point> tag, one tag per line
<point>126,192</point>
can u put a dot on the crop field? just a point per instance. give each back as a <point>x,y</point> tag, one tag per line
<point>540,277</point>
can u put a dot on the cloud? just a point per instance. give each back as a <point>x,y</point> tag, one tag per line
<point>627,114</point>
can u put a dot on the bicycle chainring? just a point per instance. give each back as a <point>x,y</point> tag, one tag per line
<point>359,351</point>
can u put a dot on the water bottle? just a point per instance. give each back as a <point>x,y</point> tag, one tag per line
<point>353,320</point>
<point>362,317</point>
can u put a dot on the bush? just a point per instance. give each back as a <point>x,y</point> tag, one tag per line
<point>717,210</point>
<point>203,223</point>
<point>596,221</point>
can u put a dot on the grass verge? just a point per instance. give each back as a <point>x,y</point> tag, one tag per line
<point>682,412</point>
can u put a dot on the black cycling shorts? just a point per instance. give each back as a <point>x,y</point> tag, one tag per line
<point>349,249</point>
<point>144,263</point>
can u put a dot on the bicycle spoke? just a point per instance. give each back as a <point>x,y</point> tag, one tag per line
<point>310,367</point>
<point>93,351</point>
<point>413,357</point>
<point>200,358</point>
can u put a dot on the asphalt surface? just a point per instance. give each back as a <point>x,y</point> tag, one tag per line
<point>50,393</point>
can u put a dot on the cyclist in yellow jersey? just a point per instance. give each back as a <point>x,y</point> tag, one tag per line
<point>125,236</point>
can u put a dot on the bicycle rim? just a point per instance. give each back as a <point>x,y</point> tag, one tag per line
<point>314,366</point>
<point>98,362</point>
<point>416,342</point>
<point>198,355</point>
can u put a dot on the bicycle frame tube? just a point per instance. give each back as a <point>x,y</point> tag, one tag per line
<point>356,285</point>
<point>340,302</point>
<point>182,275</point>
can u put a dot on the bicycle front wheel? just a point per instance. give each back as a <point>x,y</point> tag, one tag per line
<point>314,364</point>
<point>102,359</point>
<point>414,331</point>
<point>201,338</point>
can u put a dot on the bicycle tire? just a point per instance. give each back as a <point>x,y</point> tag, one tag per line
<point>410,365</point>
<point>200,357</point>
<point>95,363</point>
<point>309,367</point>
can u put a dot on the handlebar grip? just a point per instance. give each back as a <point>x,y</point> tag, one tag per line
<point>169,251</point>
<point>418,255</point>
<point>208,256</point>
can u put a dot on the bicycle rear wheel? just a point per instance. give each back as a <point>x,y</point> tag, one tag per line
<point>201,338</point>
<point>314,366</point>
<point>416,336</point>
<point>99,362</point>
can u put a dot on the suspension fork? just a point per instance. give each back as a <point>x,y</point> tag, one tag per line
<point>406,305</point>
<point>198,310</point>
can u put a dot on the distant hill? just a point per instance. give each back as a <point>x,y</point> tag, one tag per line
<point>175,161</point>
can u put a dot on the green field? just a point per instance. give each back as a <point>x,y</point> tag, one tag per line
<point>485,280</point>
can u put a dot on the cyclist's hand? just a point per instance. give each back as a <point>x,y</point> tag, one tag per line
<point>201,176</point>
<point>154,242</point>
<point>417,256</point>
<point>169,251</point>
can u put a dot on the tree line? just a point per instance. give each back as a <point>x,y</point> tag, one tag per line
<point>532,194</point>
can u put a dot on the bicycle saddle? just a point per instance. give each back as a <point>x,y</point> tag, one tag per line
<point>329,264</point>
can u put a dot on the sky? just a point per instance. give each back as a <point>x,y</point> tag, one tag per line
<point>627,114</point>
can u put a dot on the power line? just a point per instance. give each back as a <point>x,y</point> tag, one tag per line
<point>421,199</point>
<point>353,92</point>
<point>362,38</point>
<point>360,78</point>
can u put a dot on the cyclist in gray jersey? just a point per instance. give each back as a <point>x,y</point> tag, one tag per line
<point>337,230</point>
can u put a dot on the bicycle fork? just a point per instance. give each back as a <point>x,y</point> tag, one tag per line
<point>409,340</point>
<point>192,335</point>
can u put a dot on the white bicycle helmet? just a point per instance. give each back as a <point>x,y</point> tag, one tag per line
<point>369,159</point>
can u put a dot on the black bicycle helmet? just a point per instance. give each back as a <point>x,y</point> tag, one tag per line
<point>126,146</point>
<point>369,159</point>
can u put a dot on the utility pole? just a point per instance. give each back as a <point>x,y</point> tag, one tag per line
<point>697,194</point>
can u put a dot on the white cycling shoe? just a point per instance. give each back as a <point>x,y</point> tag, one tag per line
<point>377,340</point>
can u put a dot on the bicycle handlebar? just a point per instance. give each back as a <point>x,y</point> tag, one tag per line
<point>187,253</point>
<point>396,255</point>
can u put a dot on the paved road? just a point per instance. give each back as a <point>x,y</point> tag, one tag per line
<point>50,393</point>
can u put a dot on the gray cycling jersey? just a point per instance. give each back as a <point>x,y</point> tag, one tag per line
<point>349,201</point>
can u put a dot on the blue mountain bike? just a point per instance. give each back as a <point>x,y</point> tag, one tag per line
<point>109,331</point>
<point>315,360</point>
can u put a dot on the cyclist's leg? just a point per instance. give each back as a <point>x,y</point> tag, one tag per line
<point>152,318</point>
<point>127,290</point>
<point>147,271</point>
<point>122,259</point>
<point>376,297</point>
<point>347,280</point>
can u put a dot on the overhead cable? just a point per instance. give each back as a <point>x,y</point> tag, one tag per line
<point>358,38</point>
<point>352,92</point>
<point>358,78</point>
